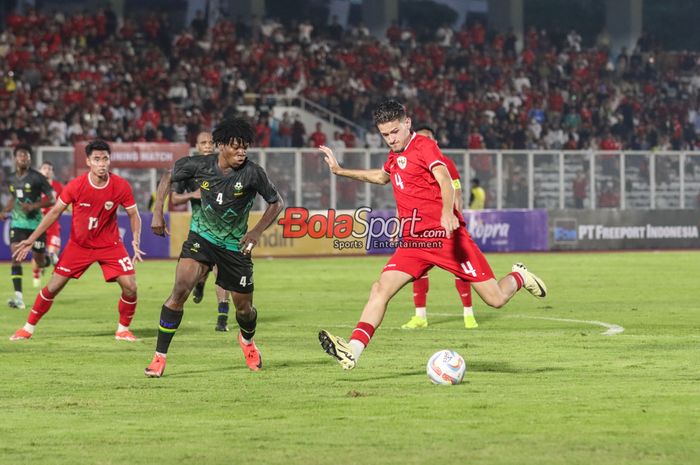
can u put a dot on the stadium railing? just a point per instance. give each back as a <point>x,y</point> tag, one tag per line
<point>624,180</point>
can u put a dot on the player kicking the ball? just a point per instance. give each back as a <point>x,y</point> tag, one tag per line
<point>94,237</point>
<point>228,184</point>
<point>422,187</point>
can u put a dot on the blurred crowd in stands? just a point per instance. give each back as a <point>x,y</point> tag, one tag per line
<point>68,78</point>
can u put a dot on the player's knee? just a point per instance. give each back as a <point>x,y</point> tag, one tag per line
<point>495,301</point>
<point>244,308</point>
<point>130,289</point>
<point>378,291</point>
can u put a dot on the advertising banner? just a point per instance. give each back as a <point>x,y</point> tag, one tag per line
<point>492,230</point>
<point>624,229</point>
<point>154,246</point>
<point>273,242</point>
<point>136,155</point>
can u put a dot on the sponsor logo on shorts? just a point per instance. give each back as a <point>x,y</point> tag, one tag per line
<point>63,268</point>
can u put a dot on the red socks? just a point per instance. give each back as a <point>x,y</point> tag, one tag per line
<point>420,291</point>
<point>518,279</point>
<point>465,292</point>
<point>127,308</point>
<point>363,332</point>
<point>42,304</point>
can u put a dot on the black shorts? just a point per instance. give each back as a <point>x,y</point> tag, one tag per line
<point>234,270</point>
<point>20,234</point>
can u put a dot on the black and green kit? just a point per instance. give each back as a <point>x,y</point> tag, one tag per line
<point>222,221</point>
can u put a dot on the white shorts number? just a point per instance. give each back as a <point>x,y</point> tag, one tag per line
<point>126,264</point>
<point>468,268</point>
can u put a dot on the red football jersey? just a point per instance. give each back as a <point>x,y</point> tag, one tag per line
<point>94,222</point>
<point>415,186</point>
<point>452,168</point>
<point>54,229</point>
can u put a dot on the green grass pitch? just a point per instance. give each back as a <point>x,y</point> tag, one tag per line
<point>537,391</point>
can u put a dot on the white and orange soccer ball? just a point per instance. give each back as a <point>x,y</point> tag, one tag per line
<point>446,367</point>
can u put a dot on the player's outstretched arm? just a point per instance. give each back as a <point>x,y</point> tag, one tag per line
<point>448,220</point>
<point>49,219</point>
<point>135,223</point>
<point>158,222</point>
<point>252,237</point>
<point>373,176</point>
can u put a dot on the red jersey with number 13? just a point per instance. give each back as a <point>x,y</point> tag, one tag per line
<point>94,223</point>
<point>415,186</point>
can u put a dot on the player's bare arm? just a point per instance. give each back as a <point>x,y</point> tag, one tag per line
<point>252,237</point>
<point>179,199</point>
<point>135,223</point>
<point>158,222</point>
<point>377,176</point>
<point>448,220</point>
<point>458,199</point>
<point>50,218</point>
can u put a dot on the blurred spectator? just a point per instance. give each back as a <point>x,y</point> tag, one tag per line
<point>579,186</point>
<point>318,137</point>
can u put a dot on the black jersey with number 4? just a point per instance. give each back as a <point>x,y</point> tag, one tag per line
<point>226,198</point>
<point>28,189</point>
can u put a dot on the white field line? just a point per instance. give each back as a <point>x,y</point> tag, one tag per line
<point>612,329</point>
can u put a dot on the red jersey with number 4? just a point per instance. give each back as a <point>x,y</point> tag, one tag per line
<point>95,209</point>
<point>415,186</point>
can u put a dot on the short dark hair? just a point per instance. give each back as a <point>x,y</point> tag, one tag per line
<point>47,163</point>
<point>20,147</point>
<point>97,144</point>
<point>232,130</point>
<point>388,110</point>
<point>475,181</point>
<point>425,127</point>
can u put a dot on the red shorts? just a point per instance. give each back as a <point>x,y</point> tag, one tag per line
<point>75,259</point>
<point>53,236</point>
<point>459,255</point>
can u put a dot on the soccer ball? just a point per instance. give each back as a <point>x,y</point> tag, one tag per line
<point>446,367</point>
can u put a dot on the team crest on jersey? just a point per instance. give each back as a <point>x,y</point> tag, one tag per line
<point>402,162</point>
<point>205,185</point>
<point>239,189</point>
<point>108,205</point>
<point>28,187</point>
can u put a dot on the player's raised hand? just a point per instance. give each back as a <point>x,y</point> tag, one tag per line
<point>138,253</point>
<point>330,158</point>
<point>22,250</point>
<point>449,222</point>
<point>158,225</point>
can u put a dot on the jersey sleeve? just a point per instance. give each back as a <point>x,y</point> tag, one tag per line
<point>185,168</point>
<point>265,188</point>
<point>69,192</point>
<point>178,187</point>
<point>431,154</point>
<point>387,166</point>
